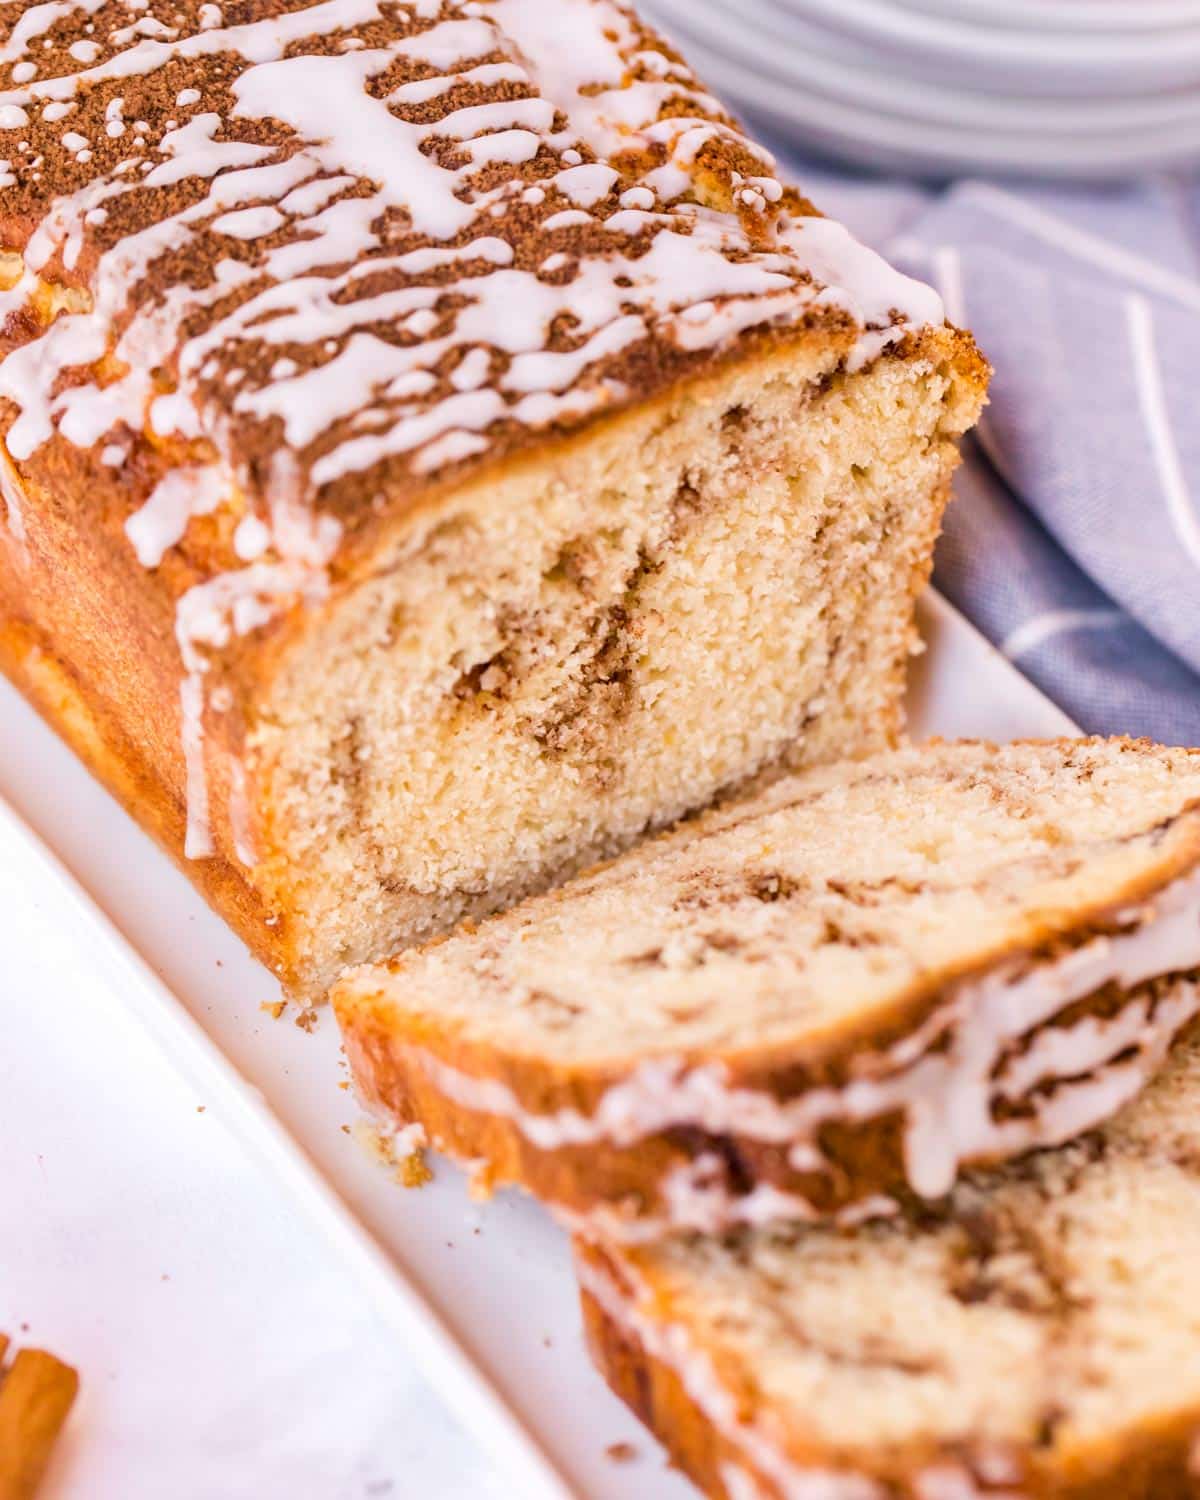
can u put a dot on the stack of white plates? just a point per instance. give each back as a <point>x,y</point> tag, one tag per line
<point>1082,88</point>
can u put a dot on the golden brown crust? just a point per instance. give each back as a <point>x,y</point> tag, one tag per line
<point>390,1049</point>
<point>1147,1461</point>
<point>118,761</point>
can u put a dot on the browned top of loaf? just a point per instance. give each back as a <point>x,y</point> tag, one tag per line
<point>370,244</point>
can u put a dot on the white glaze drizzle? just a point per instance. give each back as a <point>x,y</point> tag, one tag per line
<point>697,1197</point>
<point>949,1481</point>
<point>36,20</point>
<point>239,815</point>
<point>359,399</point>
<point>700,1200</point>
<point>10,493</point>
<point>947,1098</point>
<point>209,615</point>
<point>198,842</point>
<point>181,494</point>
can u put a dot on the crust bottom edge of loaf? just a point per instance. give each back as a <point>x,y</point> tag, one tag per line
<point>1145,1462</point>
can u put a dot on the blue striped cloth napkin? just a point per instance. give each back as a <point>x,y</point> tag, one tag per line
<point>1074,541</point>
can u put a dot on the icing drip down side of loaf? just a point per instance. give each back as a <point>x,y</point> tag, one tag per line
<point>304,256</point>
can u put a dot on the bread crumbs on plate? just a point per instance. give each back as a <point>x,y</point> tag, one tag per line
<point>402,1150</point>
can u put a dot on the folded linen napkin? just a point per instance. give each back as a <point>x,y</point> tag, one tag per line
<point>1074,543</point>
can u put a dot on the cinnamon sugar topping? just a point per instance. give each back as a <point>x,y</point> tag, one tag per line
<point>312,219</point>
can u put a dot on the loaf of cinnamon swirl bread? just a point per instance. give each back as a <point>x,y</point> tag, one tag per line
<point>435,447</point>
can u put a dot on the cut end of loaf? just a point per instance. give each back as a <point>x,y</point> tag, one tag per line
<point>548,663</point>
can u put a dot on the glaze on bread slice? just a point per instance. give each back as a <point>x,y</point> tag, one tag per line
<point>814,1002</point>
<point>1037,1337</point>
<point>435,448</point>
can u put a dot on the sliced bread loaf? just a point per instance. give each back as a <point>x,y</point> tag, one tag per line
<point>1036,1338</point>
<point>816,1001</point>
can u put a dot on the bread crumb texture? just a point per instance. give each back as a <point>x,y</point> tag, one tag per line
<point>578,654</point>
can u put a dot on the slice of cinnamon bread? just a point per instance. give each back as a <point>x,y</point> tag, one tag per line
<point>814,1002</point>
<point>1038,1338</point>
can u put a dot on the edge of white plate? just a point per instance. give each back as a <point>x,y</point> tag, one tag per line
<point>200,1063</point>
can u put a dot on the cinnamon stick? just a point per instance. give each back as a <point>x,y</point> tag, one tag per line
<point>36,1393</point>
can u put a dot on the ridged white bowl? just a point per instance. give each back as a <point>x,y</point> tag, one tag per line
<point>1083,88</point>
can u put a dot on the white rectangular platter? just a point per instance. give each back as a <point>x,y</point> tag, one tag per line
<point>477,1296</point>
